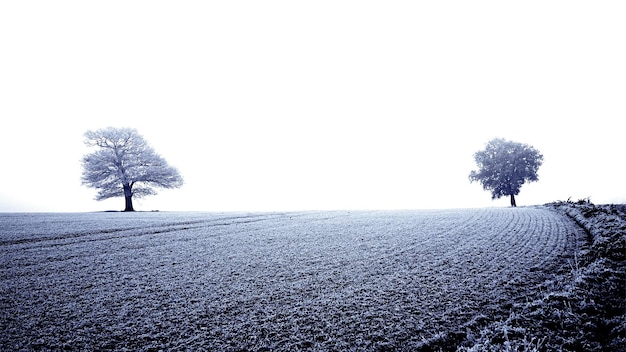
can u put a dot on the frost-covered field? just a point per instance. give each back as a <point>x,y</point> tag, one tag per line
<point>403,280</point>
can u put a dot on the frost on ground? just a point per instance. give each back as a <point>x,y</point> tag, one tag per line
<point>584,309</point>
<point>596,301</point>
<point>411,280</point>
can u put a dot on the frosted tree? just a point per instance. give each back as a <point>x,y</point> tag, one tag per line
<point>504,166</point>
<point>125,166</point>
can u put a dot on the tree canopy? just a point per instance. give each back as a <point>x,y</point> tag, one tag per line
<point>504,166</point>
<point>125,166</point>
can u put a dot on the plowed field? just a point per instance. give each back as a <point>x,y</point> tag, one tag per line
<point>401,280</point>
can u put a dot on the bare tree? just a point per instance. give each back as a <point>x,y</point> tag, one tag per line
<point>504,166</point>
<point>125,165</point>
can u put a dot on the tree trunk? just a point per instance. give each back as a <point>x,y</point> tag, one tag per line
<point>513,201</point>
<point>128,195</point>
<point>129,203</point>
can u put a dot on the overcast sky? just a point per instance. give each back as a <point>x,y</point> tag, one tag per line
<point>294,105</point>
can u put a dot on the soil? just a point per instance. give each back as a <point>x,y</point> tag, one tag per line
<point>526,279</point>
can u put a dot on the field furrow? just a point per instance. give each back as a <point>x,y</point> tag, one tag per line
<point>275,281</point>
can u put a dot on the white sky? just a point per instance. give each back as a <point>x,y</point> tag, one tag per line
<point>294,105</point>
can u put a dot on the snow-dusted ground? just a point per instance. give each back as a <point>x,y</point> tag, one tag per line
<point>403,280</point>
